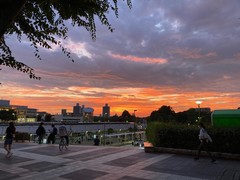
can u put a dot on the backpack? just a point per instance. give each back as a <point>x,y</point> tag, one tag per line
<point>38,131</point>
<point>209,139</point>
<point>207,136</point>
<point>62,131</point>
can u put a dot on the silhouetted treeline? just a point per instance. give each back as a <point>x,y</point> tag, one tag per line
<point>163,114</point>
<point>167,114</point>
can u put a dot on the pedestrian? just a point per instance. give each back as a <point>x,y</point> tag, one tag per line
<point>53,133</point>
<point>63,133</point>
<point>205,140</point>
<point>10,134</point>
<point>96,141</point>
<point>40,133</point>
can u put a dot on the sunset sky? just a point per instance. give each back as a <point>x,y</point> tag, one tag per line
<point>162,52</point>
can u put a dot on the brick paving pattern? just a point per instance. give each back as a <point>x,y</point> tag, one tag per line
<point>81,162</point>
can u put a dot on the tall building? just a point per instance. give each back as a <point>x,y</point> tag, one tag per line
<point>79,114</point>
<point>106,111</point>
<point>77,110</point>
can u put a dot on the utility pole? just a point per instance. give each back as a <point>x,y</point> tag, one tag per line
<point>134,125</point>
<point>199,110</point>
<point>104,135</point>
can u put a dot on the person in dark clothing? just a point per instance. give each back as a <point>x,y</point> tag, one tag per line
<point>96,141</point>
<point>10,134</point>
<point>53,133</point>
<point>205,139</point>
<point>40,132</point>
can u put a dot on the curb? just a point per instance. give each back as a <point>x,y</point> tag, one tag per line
<point>151,149</point>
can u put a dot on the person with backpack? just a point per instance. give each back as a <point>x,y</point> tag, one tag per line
<point>53,133</point>
<point>10,134</point>
<point>205,139</point>
<point>63,133</point>
<point>40,133</point>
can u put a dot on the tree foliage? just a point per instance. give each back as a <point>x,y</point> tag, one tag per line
<point>167,114</point>
<point>126,114</point>
<point>48,117</point>
<point>42,22</point>
<point>8,115</point>
<point>164,114</point>
<point>39,118</point>
<point>110,131</point>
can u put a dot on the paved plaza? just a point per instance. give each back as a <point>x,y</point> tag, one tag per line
<point>81,162</point>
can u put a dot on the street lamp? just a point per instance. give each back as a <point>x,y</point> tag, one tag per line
<point>134,111</point>
<point>104,141</point>
<point>199,109</point>
<point>134,124</point>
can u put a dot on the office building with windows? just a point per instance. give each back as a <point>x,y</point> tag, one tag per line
<point>106,111</point>
<point>23,113</point>
<point>77,110</point>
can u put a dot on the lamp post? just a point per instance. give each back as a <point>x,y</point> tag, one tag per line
<point>199,109</point>
<point>134,124</point>
<point>104,141</point>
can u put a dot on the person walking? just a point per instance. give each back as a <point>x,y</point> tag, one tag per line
<point>205,140</point>
<point>63,133</point>
<point>53,133</point>
<point>40,133</point>
<point>10,134</point>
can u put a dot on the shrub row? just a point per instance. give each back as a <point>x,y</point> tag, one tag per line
<point>181,136</point>
<point>22,136</point>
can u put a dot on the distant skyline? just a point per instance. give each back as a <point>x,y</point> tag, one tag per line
<point>161,53</point>
<point>71,110</point>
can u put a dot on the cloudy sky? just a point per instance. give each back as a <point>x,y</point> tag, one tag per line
<point>162,52</point>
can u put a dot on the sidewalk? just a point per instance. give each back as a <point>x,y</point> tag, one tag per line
<point>82,162</point>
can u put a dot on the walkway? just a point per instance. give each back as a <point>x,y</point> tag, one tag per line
<point>81,162</point>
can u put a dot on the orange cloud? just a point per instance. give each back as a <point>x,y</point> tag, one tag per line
<point>140,59</point>
<point>144,100</point>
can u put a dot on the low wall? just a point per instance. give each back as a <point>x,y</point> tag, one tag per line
<point>150,149</point>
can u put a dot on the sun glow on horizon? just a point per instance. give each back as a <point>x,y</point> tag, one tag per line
<point>145,100</point>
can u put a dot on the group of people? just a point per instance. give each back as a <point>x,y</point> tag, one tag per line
<point>11,131</point>
<point>204,138</point>
<point>62,131</point>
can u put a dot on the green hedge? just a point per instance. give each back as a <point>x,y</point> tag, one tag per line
<point>181,136</point>
<point>22,136</point>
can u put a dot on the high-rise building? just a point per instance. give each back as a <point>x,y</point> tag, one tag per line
<point>106,111</point>
<point>77,110</point>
